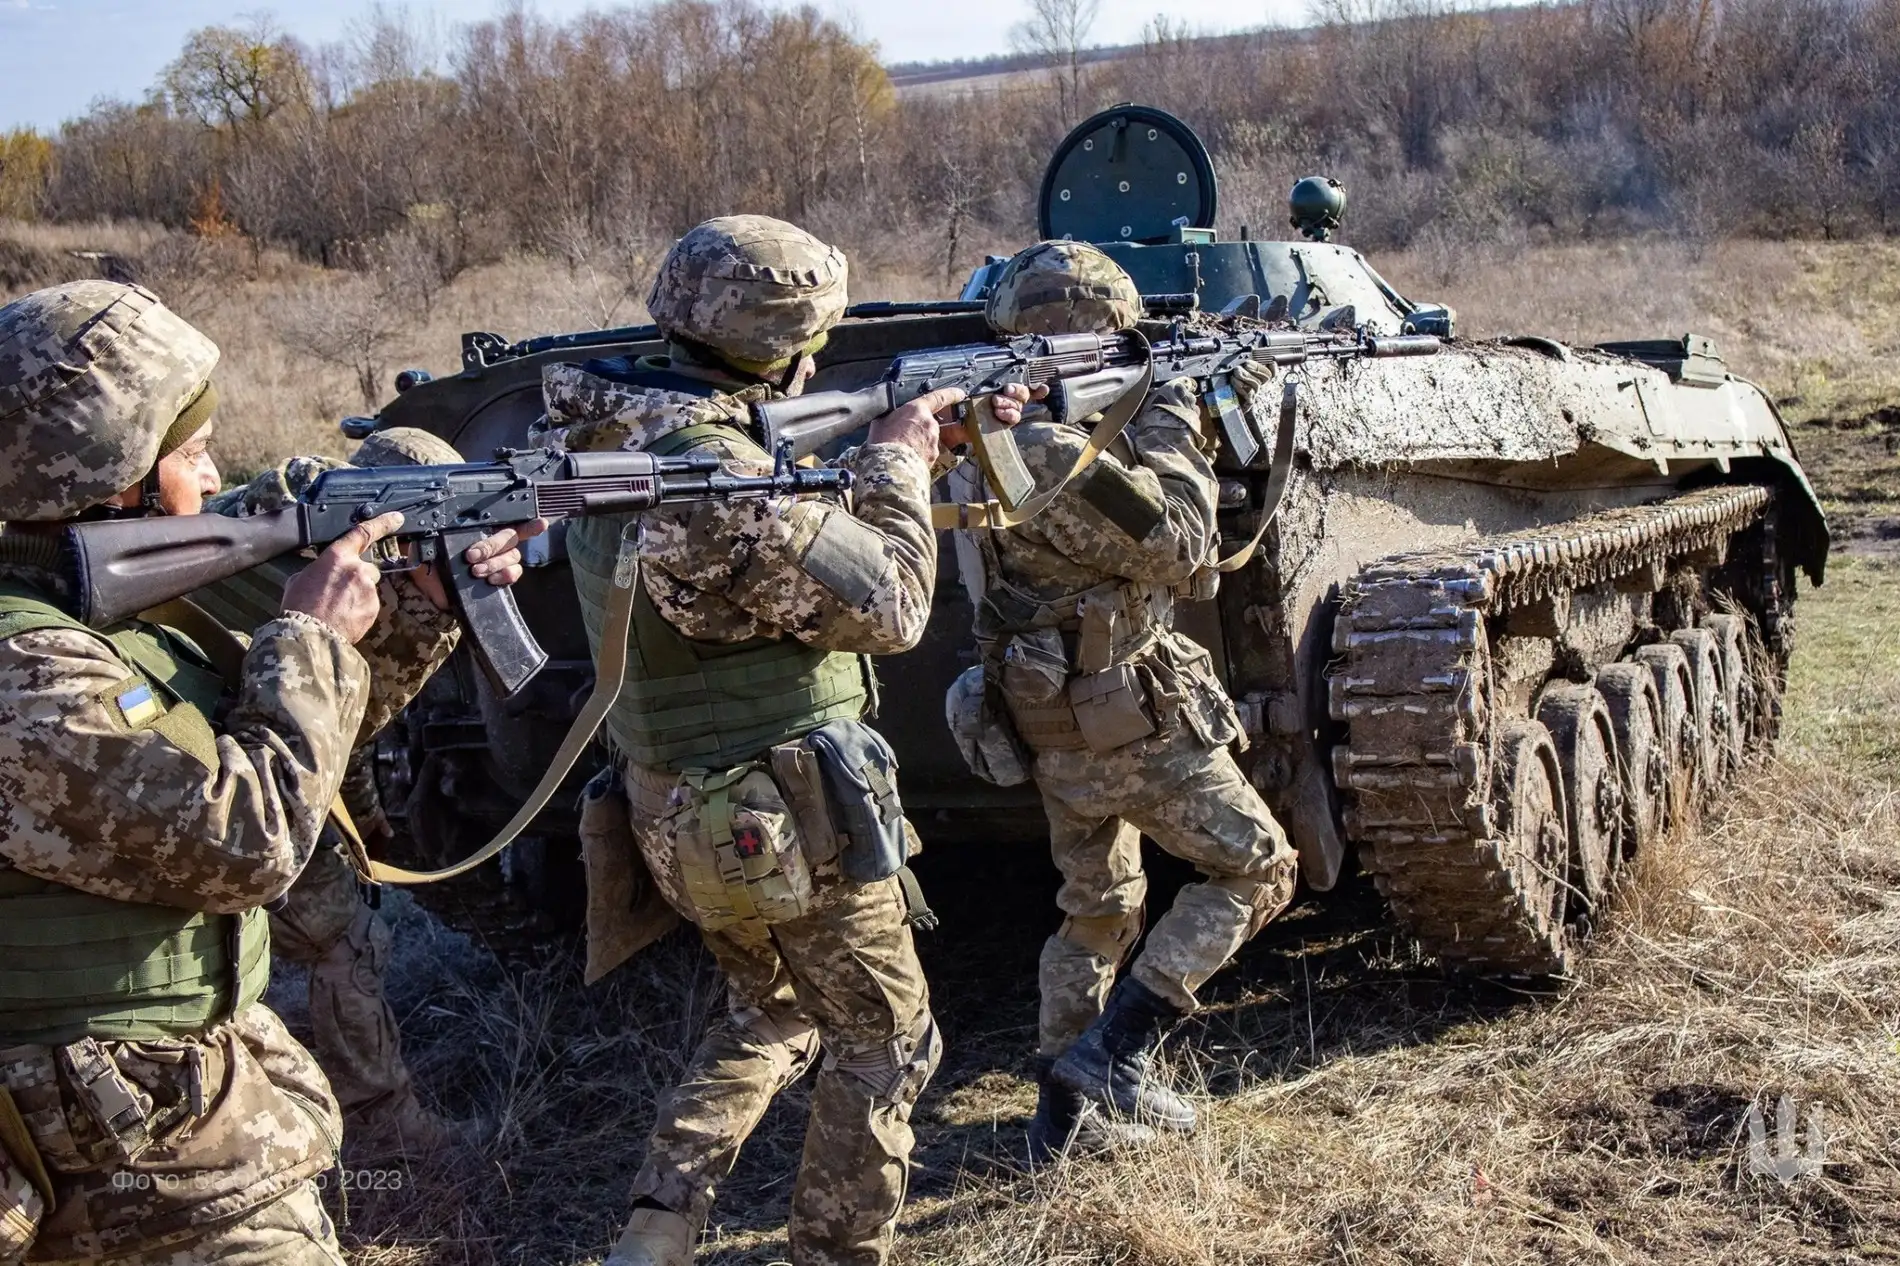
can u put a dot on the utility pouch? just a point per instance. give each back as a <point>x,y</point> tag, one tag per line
<point>26,1192</point>
<point>737,845</point>
<point>860,773</point>
<point>626,911</point>
<point>984,732</point>
<point>1035,667</point>
<point>119,1112</point>
<point>795,768</point>
<point>1111,708</point>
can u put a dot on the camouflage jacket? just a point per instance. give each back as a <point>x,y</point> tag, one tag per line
<point>726,572</point>
<point>1138,525</point>
<point>116,810</point>
<point>1144,516</point>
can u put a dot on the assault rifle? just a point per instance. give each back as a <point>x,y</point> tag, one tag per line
<point>131,565</point>
<point>1085,374</point>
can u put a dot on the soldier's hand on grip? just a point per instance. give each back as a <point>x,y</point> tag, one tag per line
<point>340,587</point>
<point>916,424</point>
<point>1006,405</point>
<point>496,558</point>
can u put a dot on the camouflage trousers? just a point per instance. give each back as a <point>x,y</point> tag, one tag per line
<point>845,976</point>
<point>292,1230</point>
<point>325,926</point>
<point>1195,803</point>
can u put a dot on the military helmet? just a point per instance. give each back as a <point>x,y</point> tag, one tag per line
<point>756,290</point>
<point>1062,288</point>
<point>405,446</point>
<point>93,374</point>
<point>1318,205</point>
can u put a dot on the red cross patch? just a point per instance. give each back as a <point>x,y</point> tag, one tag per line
<point>748,841</point>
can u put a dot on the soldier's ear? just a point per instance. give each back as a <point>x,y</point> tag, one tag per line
<point>798,374</point>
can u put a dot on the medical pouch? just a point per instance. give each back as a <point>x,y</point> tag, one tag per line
<point>860,773</point>
<point>736,841</point>
<point>984,732</point>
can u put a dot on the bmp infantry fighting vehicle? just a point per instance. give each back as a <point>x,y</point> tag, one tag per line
<point>1523,604</point>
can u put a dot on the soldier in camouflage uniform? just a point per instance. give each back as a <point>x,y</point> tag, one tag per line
<point>324,923</point>
<point>155,1111</point>
<point>1127,722</point>
<point>751,622</point>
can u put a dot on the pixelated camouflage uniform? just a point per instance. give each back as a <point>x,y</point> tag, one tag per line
<point>845,973</point>
<point>323,923</point>
<point>225,1122</point>
<point>232,1118</point>
<point>1127,534</point>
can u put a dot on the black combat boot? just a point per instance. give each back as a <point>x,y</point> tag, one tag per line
<point>1064,1120</point>
<point>1111,1064</point>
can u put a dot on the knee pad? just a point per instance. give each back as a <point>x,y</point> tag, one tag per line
<point>895,1072</point>
<point>1266,895</point>
<point>1110,936</point>
<point>790,1040</point>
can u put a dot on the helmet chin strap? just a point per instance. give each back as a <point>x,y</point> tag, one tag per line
<point>148,492</point>
<point>148,503</point>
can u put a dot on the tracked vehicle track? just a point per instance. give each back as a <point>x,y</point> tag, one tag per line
<point>1458,810</point>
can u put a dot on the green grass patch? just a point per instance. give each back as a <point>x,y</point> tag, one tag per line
<point>1843,701</point>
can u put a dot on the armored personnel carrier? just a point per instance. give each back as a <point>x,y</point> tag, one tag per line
<point>1523,607</point>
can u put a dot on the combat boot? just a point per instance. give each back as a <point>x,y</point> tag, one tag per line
<point>1065,1121</point>
<point>1112,1063</point>
<point>403,1127</point>
<point>653,1237</point>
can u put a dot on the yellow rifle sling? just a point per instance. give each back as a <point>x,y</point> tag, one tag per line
<point>992,514</point>
<point>608,676</point>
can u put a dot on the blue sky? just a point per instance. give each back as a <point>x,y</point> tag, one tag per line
<point>56,56</point>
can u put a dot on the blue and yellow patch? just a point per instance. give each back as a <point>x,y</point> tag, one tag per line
<point>139,706</point>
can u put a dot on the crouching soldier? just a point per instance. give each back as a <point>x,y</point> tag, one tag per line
<point>152,1109</point>
<point>325,923</point>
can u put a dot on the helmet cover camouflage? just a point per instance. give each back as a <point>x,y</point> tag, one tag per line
<point>92,375</point>
<point>756,290</point>
<point>404,446</point>
<point>1062,288</point>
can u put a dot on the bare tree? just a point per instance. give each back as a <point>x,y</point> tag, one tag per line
<point>350,325</point>
<point>1057,31</point>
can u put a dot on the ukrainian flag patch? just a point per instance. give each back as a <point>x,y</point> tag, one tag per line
<point>139,706</point>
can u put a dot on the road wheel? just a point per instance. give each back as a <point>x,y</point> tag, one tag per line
<point>1711,714</point>
<point>1534,841</point>
<point>1629,692</point>
<point>1735,734</point>
<point>1675,689</point>
<point>1580,727</point>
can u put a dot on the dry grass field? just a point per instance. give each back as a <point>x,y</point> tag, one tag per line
<point>1361,1107</point>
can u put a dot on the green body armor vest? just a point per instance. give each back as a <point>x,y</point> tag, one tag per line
<point>705,705</point>
<point>75,965</point>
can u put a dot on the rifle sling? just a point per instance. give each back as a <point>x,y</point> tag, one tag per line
<point>609,673</point>
<point>1276,482</point>
<point>991,514</point>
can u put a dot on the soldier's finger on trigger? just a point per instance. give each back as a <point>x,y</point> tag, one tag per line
<point>357,540</point>
<point>943,399</point>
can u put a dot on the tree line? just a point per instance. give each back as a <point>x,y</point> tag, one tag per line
<point>597,139</point>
